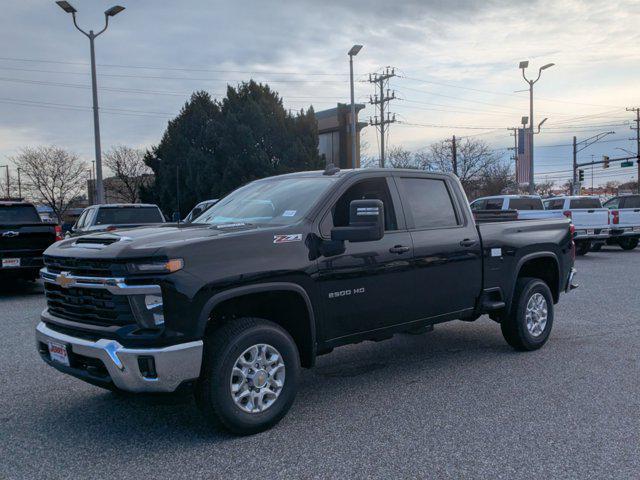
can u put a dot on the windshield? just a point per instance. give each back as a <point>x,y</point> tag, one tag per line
<point>18,214</point>
<point>128,215</point>
<point>277,202</point>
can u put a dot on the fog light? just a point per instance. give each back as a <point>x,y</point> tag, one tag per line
<point>147,310</point>
<point>147,366</point>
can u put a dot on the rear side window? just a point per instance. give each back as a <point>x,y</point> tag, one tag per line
<point>19,214</point>
<point>478,205</point>
<point>585,203</point>
<point>494,204</point>
<point>429,203</point>
<point>128,215</point>
<point>525,204</point>
<point>631,202</point>
<point>557,204</point>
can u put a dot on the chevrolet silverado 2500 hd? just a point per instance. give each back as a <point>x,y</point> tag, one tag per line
<point>285,269</point>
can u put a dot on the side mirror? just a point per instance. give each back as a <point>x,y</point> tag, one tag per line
<point>176,217</point>
<point>366,222</point>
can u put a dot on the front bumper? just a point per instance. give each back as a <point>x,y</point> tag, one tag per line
<point>174,365</point>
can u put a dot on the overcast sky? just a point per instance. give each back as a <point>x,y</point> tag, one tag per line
<point>456,60</point>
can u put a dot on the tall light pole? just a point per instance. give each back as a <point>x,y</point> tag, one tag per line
<point>523,65</point>
<point>111,12</point>
<point>352,53</point>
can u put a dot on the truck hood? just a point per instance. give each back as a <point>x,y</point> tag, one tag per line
<point>145,241</point>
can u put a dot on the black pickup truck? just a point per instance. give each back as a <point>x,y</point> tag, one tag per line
<point>285,269</point>
<point>23,239</point>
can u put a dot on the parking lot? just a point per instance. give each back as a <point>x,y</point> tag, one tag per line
<point>457,402</point>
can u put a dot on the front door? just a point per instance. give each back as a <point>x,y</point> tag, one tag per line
<point>368,286</point>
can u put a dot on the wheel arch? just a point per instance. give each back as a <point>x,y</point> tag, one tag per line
<point>259,300</point>
<point>542,265</point>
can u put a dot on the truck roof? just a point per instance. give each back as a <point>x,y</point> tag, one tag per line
<point>9,203</point>
<point>124,205</point>
<point>355,171</point>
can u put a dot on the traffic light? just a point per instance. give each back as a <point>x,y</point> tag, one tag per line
<point>605,161</point>
<point>581,175</point>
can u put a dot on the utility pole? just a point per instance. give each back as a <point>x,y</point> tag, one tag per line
<point>354,129</point>
<point>454,156</point>
<point>637,139</point>
<point>111,12</point>
<point>587,143</point>
<point>515,147</point>
<point>8,189</point>
<point>19,185</point>
<point>382,81</point>
<point>574,183</point>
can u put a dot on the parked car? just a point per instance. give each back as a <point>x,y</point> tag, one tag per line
<point>232,306</point>
<point>527,206</point>
<point>98,218</point>
<point>625,221</point>
<point>199,209</point>
<point>23,239</point>
<point>590,219</point>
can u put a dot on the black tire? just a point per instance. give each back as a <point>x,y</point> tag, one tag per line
<point>582,248</point>
<point>514,325</point>
<point>596,247</point>
<point>628,243</point>
<point>223,347</point>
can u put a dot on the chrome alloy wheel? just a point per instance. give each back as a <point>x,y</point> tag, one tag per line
<point>536,314</point>
<point>257,378</point>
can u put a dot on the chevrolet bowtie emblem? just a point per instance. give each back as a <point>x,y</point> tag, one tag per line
<point>64,280</point>
<point>10,234</point>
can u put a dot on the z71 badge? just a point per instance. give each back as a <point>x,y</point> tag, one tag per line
<point>295,237</point>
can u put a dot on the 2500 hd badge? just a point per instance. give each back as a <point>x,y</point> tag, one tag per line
<point>346,293</point>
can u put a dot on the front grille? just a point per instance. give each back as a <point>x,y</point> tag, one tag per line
<point>85,267</point>
<point>88,305</point>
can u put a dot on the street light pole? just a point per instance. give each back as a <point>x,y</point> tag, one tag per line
<point>352,53</point>
<point>8,189</point>
<point>111,12</point>
<point>523,65</point>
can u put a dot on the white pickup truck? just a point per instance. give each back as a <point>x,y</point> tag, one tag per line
<point>624,212</point>
<point>527,206</point>
<point>589,218</point>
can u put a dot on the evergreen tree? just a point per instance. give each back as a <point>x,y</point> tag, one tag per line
<point>218,146</point>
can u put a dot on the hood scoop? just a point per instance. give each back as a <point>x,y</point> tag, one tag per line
<point>96,242</point>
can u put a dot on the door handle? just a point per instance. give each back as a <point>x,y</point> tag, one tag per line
<point>399,249</point>
<point>467,242</point>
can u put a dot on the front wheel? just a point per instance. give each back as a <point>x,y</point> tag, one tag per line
<point>249,376</point>
<point>528,324</point>
<point>628,243</point>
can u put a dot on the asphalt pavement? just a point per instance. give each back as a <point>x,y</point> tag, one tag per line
<point>453,403</point>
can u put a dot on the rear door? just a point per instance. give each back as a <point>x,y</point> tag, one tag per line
<point>447,251</point>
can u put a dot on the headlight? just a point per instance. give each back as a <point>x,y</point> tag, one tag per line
<point>148,310</point>
<point>161,266</point>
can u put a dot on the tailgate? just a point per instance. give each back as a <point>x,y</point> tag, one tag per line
<point>629,217</point>
<point>26,237</point>
<point>590,217</point>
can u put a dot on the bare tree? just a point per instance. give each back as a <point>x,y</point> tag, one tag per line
<point>127,164</point>
<point>399,157</point>
<point>474,158</point>
<point>544,188</point>
<point>52,176</point>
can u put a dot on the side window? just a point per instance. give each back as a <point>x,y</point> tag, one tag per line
<point>556,204</point>
<point>613,203</point>
<point>80,222</point>
<point>478,205</point>
<point>428,202</point>
<point>632,202</point>
<point>494,204</point>
<point>374,188</point>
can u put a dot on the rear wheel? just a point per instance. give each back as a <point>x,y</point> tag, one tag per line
<point>628,243</point>
<point>528,324</point>
<point>596,247</point>
<point>250,375</point>
<point>582,248</point>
